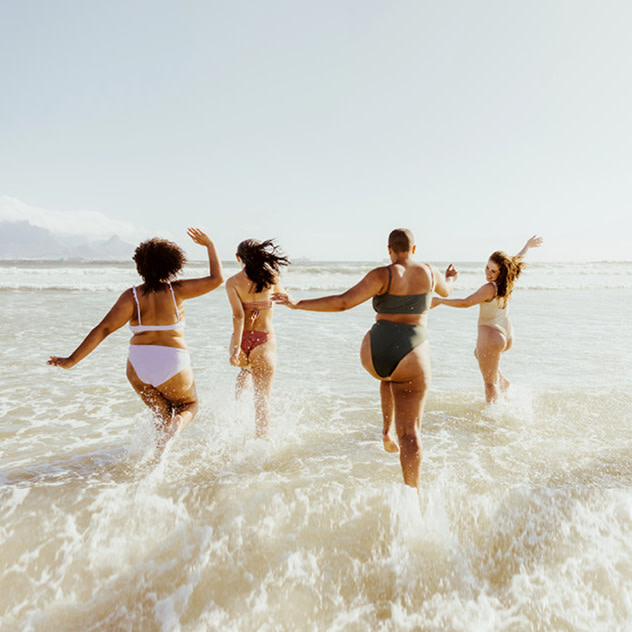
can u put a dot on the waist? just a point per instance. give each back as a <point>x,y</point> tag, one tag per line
<point>395,328</point>
<point>420,320</point>
<point>138,329</point>
<point>170,338</point>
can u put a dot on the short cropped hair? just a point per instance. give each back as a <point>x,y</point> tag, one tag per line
<point>158,261</point>
<point>401,240</point>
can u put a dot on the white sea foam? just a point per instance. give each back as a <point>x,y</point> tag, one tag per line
<point>523,521</point>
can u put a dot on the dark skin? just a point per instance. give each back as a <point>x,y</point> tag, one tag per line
<point>403,393</point>
<point>175,401</point>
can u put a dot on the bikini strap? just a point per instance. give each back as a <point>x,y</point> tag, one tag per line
<point>173,296</point>
<point>137,303</point>
<point>390,278</point>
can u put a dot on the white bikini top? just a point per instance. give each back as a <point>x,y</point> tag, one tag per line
<point>137,329</point>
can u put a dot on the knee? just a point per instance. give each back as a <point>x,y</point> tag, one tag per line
<point>410,442</point>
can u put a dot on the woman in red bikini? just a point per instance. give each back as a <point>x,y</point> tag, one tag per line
<point>252,345</point>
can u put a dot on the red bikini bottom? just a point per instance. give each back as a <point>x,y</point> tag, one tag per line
<point>252,339</point>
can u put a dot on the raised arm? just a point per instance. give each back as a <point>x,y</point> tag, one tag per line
<point>444,285</point>
<point>482,295</point>
<point>362,291</point>
<point>533,242</point>
<point>120,314</point>
<point>191,288</point>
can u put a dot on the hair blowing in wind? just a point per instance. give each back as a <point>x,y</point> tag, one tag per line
<point>262,261</point>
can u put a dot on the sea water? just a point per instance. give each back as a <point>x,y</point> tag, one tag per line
<point>524,521</point>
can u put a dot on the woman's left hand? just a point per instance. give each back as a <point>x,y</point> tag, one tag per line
<point>451,271</point>
<point>534,242</point>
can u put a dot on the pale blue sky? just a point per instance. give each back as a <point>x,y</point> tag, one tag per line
<point>324,124</point>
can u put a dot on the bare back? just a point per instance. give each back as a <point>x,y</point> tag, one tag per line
<point>257,306</point>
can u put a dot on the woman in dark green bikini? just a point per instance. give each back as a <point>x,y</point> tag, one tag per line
<point>395,350</point>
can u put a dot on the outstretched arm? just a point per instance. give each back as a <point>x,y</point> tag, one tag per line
<point>533,242</point>
<point>368,287</point>
<point>482,295</point>
<point>192,288</point>
<point>120,314</point>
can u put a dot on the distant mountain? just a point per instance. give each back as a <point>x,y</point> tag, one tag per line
<point>22,240</point>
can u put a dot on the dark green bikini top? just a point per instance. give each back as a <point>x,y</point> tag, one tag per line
<point>402,304</point>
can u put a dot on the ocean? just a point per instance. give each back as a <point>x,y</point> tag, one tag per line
<point>525,515</point>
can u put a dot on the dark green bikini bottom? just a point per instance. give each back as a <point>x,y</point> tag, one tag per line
<point>390,342</point>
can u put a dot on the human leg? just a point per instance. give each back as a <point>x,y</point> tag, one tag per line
<point>150,396</point>
<point>263,365</point>
<point>174,402</point>
<point>388,431</point>
<point>241,383</point>
<point>409,386</point>
<point>489,346</point>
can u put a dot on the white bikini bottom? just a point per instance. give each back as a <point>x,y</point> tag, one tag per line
<point>155,364</point>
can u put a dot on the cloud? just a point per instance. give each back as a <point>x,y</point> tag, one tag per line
<point>89,224</point>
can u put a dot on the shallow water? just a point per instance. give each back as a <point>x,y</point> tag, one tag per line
<point>525,517</point>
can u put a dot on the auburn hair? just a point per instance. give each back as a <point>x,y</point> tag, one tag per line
<point>158,261</point>
<point>510,270</point>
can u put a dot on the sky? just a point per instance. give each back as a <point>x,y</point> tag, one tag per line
<point>323,124</point>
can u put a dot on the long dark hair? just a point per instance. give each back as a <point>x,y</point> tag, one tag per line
<point>262,260</point>
<point>510,269</point>
<point>158,261</point>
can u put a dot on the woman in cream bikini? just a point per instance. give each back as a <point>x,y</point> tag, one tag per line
<point>159,366</point>
<point>395,350</point>
<point>252,344</point>
<point>495,333</point>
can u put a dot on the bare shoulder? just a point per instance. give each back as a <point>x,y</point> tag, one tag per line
<point>489,290</point>
<point>236,280</point>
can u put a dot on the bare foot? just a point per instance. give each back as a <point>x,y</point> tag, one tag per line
<point>503,384</point>
<point>390,444</point>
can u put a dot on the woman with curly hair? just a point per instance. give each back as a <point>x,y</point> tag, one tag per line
<point>252,344</point>
<point>159,365</point>
<point>495,333</point>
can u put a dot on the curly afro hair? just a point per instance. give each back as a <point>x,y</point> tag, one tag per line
<point>158,261</point>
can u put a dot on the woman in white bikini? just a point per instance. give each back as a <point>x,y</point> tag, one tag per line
<point>159,365</point>
<point>252,344</point>
<point>495,333</point>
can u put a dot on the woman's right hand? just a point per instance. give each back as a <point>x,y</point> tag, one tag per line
<point>199,236</point>
<point>282,298</point>
<point>64,363</point>
<point>238,358</point>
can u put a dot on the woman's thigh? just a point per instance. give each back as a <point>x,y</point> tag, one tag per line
<point>262,364</point>
<point>489,346</point>
<point>180,389</point>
